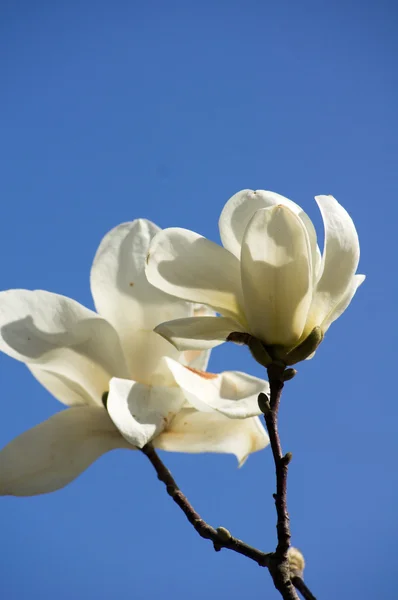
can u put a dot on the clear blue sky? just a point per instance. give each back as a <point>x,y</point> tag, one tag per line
<point>111,111</point>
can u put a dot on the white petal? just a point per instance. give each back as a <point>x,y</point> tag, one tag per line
<point>198,359</point>
<point>338,310</point>
<point>340,258</point>
<point>198,333</point>
<point>126,299</point>
<point>231,393</point>
<point>194,432</point>
<point>66,390</point>
<point>60,336</point>
<point>187,265</point>
<point>141,412</point>
<point>239,210</point>
<point>52,454</point>
<point>276,275</point>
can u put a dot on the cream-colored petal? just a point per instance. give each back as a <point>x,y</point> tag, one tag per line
<point>198,333</point>
<point>232,393</point>
<point>123,295</point>
<point>338,310</point>
<point>52,454</point>
<point>276,275</point>
<point>60,336</point>
<point>198,359</point>
<point>339,261</point>
<point>66,390</point>
<point>141,412</point>
<point>240,209</point>
<point>192,431</point>
<point>188,266</point>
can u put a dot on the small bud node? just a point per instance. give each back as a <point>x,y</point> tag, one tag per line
<point>224,534</point>
<point>263,403</point>
<point>289,374</point>
<point>287,458</point>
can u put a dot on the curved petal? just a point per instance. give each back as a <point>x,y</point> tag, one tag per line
<point>240,209</point>
<point>66,390</point>
<point>198,333</point>
<point>339,261</point>
<point>52,454</point>
<point>232,393</point>
<point>198,359</point>
<point>276,275</point>
<point>338,310</point>
<point>141,412</point>
<point>62,337</point>
<point>187,265</point>
<point>192,431</point>
<point>123,295</point>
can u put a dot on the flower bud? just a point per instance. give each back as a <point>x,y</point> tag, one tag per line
<point>263,403</point>
<point>289,374</point>
<point>296,562</point>
<point>224,534</point>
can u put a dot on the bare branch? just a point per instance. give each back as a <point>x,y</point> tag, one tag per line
<point>277,562</point>
<point>302,588</point>
<point>220,537</point>
<point>279,565</point>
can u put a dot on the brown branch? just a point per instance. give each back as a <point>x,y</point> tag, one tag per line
<point>302,588</point>
<point>220,537</point>
<point>277,562</point>
<point>279,565</point>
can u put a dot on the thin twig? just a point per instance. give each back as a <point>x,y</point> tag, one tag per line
<point>279,565</point>
<point>302,588</point>
<point>281,461</point>
<point>220,537</point>
<point>277,562</point>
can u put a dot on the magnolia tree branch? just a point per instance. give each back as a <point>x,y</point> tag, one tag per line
<point>302,588</point>
<point>220,537</point>
<point>279,565</point>
<point>277,562</point>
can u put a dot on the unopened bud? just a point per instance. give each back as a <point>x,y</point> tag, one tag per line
<point>306,348</point>
<point>224,534</point>
<point>289,374</point>
<point>263,403</point>
<point>296,562</point>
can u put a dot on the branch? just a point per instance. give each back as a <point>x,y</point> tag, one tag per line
<point>220,537</point>
<point>277,562</point>
<point>302,588</point>
<point>279,565</point>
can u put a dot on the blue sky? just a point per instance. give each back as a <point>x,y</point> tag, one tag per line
<point>113,111</point>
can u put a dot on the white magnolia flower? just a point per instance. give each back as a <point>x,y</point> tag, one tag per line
<point>270,279</point>
<point>155,392</point>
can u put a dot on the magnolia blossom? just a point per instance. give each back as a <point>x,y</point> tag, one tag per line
<point>124,385</point>
<point>270,280</point>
